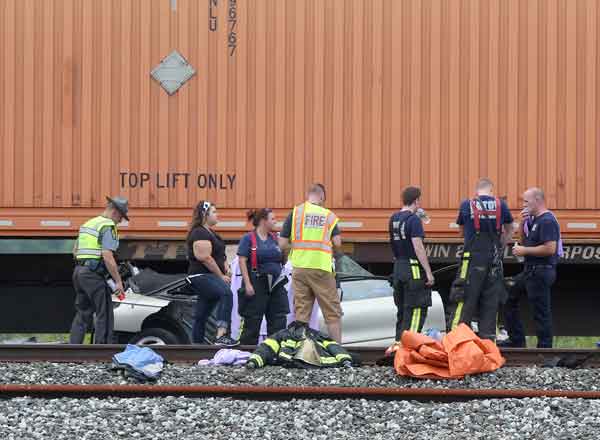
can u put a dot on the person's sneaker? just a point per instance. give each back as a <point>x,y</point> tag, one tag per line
<point>509,343</point>
<point>226,341</point>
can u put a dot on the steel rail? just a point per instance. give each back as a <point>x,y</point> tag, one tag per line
<point>515,357</point>
<point>283,393</point>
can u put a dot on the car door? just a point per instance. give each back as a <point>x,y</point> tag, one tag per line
<point>369,313</point>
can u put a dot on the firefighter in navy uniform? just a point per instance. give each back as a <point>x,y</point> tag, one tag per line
<point>263,292</point>
<point>542,247</point>
<point>486,224</point>
<point>412,277</point>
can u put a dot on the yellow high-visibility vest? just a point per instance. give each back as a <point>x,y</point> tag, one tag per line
<point>312,226</point>
<point>88,242</point>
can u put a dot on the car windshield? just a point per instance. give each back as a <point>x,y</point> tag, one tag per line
<point>354,288</point>
<point>346,266</point>
<point>365,289</point>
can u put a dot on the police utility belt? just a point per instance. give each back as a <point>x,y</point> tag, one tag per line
<point>93,265</point>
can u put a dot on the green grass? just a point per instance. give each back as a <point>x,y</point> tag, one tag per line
<point>586,342</point>
<point>42,337</point>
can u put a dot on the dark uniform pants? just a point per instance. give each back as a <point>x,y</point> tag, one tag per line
<point>411,296</point>
<point>537,281</point>
<point>477,291</point>
<point>273,305</point>
<point>92,296</point>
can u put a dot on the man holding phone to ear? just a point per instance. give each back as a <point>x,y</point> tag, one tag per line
<point>541,250</point>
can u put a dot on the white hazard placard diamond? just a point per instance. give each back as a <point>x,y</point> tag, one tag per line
<point>173,72</point>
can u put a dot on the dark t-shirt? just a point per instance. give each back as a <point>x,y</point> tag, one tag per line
<point>403,226</point>
<point>486,223</point>
<point>218,250</point>
<point>268,254</point>
<point>543,229</point>
<point>286,231</point>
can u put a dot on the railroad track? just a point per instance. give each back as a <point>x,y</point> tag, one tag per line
<point>284,393</point>
<point>515,357</point>
<point>183,354</point>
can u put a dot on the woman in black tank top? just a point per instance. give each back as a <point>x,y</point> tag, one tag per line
<point>210,275</point>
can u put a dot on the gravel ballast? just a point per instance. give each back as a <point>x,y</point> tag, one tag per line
<point>183,418</point>
<point>181,374</point>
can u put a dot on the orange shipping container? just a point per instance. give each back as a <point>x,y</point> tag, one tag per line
<point>366,96</point>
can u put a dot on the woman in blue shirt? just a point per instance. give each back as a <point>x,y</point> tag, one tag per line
<point>263,292</point>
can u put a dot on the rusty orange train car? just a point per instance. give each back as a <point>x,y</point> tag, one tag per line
<point>244,102</point>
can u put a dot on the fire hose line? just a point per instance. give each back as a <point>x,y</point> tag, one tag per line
<point>284,393</point>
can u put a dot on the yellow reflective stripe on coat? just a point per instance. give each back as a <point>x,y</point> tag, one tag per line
<point>342,357</point>
<point>83,253</point>
<point>272,344</point>
<point>328,229</point>
<point>457,313</point>
<point>284,355</point>
<point>307,245</point>
<point>326,343</point>
<point>327,360</point>
<point>92,232</point>
<point>297,220</point>
<point>258,359</point>
<point>290,343</point>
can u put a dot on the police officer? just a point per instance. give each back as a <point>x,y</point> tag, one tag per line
<point>98,240</point>
<point>313,233</point>
<point>486,224</point>
<point>541,243</point>
<point>412,274</point>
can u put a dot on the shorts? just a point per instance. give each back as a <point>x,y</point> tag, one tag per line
<point>311,284</point>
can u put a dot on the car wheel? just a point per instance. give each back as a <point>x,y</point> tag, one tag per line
<point>155,336</point>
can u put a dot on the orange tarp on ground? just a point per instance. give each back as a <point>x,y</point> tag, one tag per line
<point>461,352</point>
